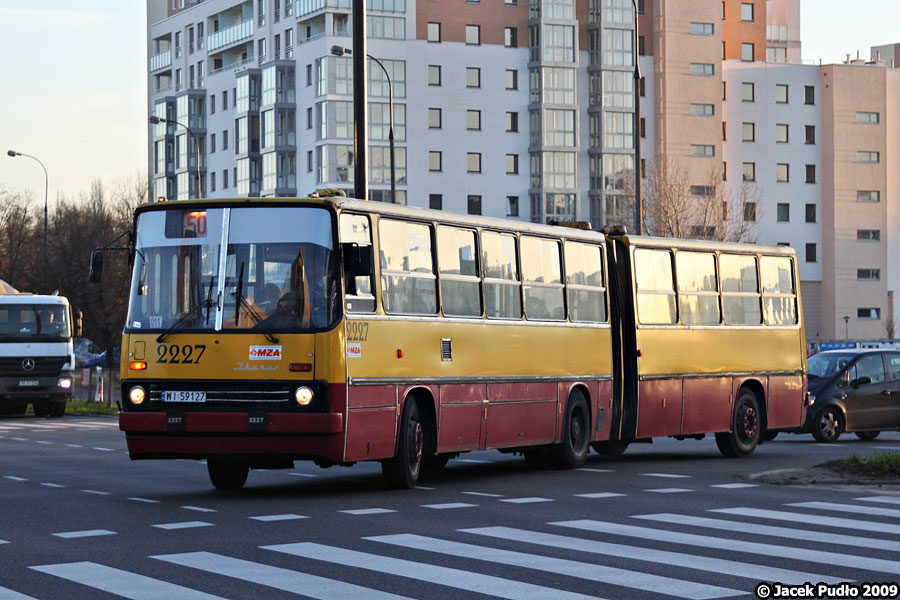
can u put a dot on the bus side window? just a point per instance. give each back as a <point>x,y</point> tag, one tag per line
<point>407,268</point>
<point>542,279</point>
<point>584,283</point>
<point>460,284</point>
<point>655,287</point>
<point>502,297</point>
<point>357,229</point>
<point>779,297</point>
<point>740,290</point>
<point>698,293</point>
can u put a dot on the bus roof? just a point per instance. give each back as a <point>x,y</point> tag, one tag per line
<point>706,245</point>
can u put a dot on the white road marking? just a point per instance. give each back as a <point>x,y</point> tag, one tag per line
<point>530,500</point>
<point>14,478</point>
<point>829,445</point>
<point>145,500</point>
<point>74,446</point>
<point>302,475</point>
<point>104,449</point>
<point>183,525</point>
<point>87,533</point>
<point>284,517</point>
<point>884,499</point>
<point>571,568</point>
<point>53,485</point>
<point>734,486</point>
<point>484,494</point>
<point>669,490</point>
<point>44,442</point>
<point>449,505</point>
<point>18,439</point>
<point>455,578</point>
<point>599,495</point>
<point>310,586</point>
<point>826,536</point>
<point>888,447</point>
<point>122,583</point>
<point>97,492</point>
<point>665,475</point>
<point>8,594</point>
<point>783,515</point>
<point>850,508</point>
<point>368,511</point>
<point>199,509</point>
<point>422,487</point>
<point>471,460</point>
<point>733,545</point>
<point>586,470</point>
<point>660,557</point>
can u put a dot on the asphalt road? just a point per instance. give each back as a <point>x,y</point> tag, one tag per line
<point>673,519</point>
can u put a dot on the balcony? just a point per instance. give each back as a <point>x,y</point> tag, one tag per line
<point>161,60</point>
<point>232,35</point>
<point>305,7</point>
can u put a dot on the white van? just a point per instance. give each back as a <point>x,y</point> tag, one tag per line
<point>37,361</point>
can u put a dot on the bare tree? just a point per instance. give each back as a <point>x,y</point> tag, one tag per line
<point>17,241</point>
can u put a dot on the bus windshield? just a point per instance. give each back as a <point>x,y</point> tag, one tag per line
<point>34,323</point>
<point>260,268</point>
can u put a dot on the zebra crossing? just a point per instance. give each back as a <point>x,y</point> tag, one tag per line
<point>721,553</point>
<point>36,425</point>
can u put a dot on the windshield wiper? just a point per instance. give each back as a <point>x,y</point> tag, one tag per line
<point>241,301</point>
<point>187,318</point>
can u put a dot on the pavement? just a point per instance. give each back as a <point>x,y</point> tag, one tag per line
<point>668,519</point>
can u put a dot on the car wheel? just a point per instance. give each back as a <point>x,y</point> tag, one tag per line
<point>867,436</point>
<point>745,428</point>
<point>829,425</point>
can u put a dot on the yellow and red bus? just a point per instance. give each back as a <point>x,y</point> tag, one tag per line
<point>264,331</point>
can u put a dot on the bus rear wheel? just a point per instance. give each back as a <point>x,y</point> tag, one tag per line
<point>227,474</point>
<point>746,428</point>
<point>402,470</point>
<point>576,436</point>
<point>610,448</point>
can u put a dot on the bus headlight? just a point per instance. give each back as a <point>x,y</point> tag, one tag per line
<point>137,395</point>
<point>303,396</point>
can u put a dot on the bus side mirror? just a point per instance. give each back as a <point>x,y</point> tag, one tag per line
<point>357,263</point>
<point>78,321</point>
<point>96,266</point>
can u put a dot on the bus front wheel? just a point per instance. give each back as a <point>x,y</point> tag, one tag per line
<point>576,435</point>
<point>402,470</point>
<point>227,474</point>
<point>745,428</point>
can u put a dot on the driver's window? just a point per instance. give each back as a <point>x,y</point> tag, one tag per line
<point>871,366</point>
<point>894,366</point>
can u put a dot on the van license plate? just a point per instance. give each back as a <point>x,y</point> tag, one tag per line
<point>182,396</point>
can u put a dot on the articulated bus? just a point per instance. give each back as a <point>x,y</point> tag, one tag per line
<point>264,331</point>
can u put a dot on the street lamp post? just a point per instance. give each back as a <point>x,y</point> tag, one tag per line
<point>156,120</point>
<point>846,327</point>
<point>13,154</point>
<point>639,207</point>
<point>340,51</point>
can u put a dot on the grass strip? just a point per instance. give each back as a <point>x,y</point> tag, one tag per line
<point>882,465</point>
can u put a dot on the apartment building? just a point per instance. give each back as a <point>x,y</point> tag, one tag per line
<point>526,109</point>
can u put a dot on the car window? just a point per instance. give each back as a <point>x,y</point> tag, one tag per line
<point>871,366</point>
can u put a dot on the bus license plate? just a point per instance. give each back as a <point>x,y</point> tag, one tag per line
<point>182,396</point>
<point>29,383</point>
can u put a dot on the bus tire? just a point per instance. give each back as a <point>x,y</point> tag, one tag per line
<point>746,427</point>
<point>57,409</point>
<point>576,435</point>
<point>227,474</point>
<point>610,448</point>
<point>867,436</point>
<point>538,457</point>
<point>436,462</point>
<point>769,436</point>
<point>402,470</point>
<point>41,409</point>
<point>828,425</point>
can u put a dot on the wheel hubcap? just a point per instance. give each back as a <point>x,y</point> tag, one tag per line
<point>828,424</point>
<point>750,423</point>
<point>417,439</point>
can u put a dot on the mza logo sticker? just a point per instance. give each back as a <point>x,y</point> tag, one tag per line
<point>354,350</point>
<point>265,352</point>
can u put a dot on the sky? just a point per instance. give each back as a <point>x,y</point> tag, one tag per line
<point>74,82</point>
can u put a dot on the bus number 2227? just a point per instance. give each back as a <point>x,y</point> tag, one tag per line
<point>180,355</point>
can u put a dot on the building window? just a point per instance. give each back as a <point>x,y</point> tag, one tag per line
<point>810,213</point>
<point>473,120</point>
<point>809,132</point>
<point>749,211</point>
<point>781,93</point>
<point>749,171</point>
<point>434,160</point>
<point>866,156</point>
<point>510,37</point>
<point>642,125</point>
<point>212,104</point>
<point>309,161</point>
<point>512,164</point>
<point>512,122</point>
<point>212,181</point>
<point>704,69</point>
<point>473,163</point>
<point>212,143</point>
<point>512,79</point>
<point>784,212</point>
<point>868,235</point>
<point>869,118</point>
<point>434,32</point>
<point>703,191</point>
<point>434,74</point>
<point>810,253</point>
<point>746,11</point>
<point>701,29</point>
<point>868,274</point>
<point>473,35</point>
<point>434,118</point>
<point>868,313</point>
<point>809,94</point>
<point>512,206</point>
<point>781,133</point>
<point>702,150</point>
<point>749,132</point>
<point>782,172</point>
<point>724,91</point>
<point>703,110</point>
<point>473,77</point>
<point>748,92</point>
<point>868,196</point>
<point>225,179</point>
<point>473,205</point>
<point>435,201</point>
<point>309,117</point>
<point>810,174</point>
<point>747,52</point>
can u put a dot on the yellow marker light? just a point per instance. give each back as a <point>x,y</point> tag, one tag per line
<point>137,365</point>
<point>137,395</point>
<point>303,396</point>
